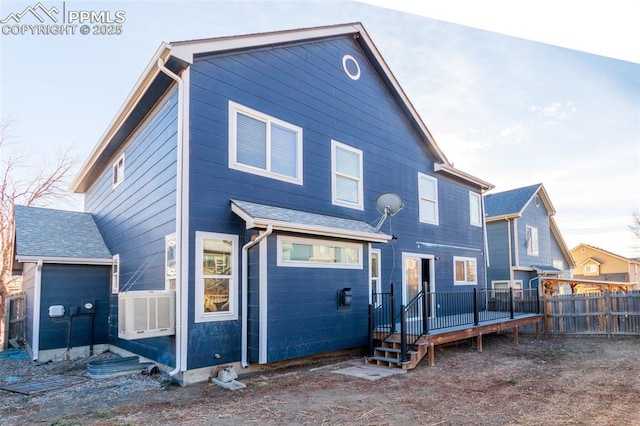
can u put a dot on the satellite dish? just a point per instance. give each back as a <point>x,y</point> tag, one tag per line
<point>388,204</point>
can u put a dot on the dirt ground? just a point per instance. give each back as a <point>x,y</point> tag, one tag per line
<point>556,381</point>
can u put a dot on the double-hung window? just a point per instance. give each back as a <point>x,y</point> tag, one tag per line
<point>532,241</point>
<point>216,277</point>
<point>346,176</point>
<point>475,209</point>
<point>465,272</point>
<point>428,193</point>
<point>118,171</point>
<point>264,145</point>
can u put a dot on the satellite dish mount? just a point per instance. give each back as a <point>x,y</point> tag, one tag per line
<point>388,204</point>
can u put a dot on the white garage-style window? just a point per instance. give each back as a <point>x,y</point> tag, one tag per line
<point>264,145</point>
<point>216,277</point>
<point>428,198</point>
<point>465,271</point>
<point>315,253</point>
<point>346,176</point>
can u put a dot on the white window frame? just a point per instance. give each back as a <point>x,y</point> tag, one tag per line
<point>115,274</point>
<point>169,240</point>
<point>465,261</point>
<point>516,285</point>
<point>234,110</point>
<point>200,314</point>
<point>117,169</point>
<point>475,196</point>
<point>436,220</point>
<point>376,281</point>
<point>533,242</point>
<point>596,269</point>
<point>321,242</point>
<point>335,174</point>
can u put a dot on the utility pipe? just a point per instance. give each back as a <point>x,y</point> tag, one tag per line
<point>245,289</point>
<point>181,269</point>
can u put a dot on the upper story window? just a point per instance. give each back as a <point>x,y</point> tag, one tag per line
<point>475,209</point>
<point>118,171</point>
<point>428,192</point>
<point>591,269</point>
<point>532,241</point>
<point>465,271</point>
<point>346,176</point>
<point>264,145</point>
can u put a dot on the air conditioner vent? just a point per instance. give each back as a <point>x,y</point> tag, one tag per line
<point>149,313</point>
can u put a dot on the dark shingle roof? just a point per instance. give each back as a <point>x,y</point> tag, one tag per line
<point>509,202</point>
<point>49,233</point>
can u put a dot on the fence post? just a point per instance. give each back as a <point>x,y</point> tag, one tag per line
<point>393,309</point>
<point>511,302</point>
<point>607,315</point>
<point>538,301</point>
<point>371,329</point>
<point>403,335</point>
<point>476,316</point>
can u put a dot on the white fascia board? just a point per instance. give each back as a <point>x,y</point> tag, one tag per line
<point>502,217</point>
<point>78,184</point>
<point>186,50</point>
<point>65,260</point>
<point>484,185</point>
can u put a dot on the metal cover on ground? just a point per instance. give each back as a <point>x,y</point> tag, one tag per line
<point>42,384</point>
<point>369,372</point>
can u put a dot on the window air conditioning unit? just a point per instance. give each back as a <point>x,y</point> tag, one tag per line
<point>149,313</point>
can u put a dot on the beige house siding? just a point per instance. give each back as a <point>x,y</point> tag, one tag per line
<point>610,264</point>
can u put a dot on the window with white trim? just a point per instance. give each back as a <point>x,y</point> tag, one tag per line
<point>115,274</point>
<point>170,262</point>
<point>465,271</point>
<point>374,274</point>
<point>118,171</point>
<point>216,277</point>
<point>346,176</point>
<point>532,241</point>
<point>428,198</point>
<point>475,209</point>
<point>590,269</point>
<point>499,288</point>
<point>264,145</point>
<point>314,253</point>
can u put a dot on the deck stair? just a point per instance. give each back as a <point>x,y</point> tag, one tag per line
<point>388,353</point>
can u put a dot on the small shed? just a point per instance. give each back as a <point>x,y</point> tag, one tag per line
<point>66,272</point>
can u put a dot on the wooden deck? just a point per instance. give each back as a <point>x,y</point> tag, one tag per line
<point>386,354</point>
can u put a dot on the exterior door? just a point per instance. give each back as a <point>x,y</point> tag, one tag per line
<point>417,272</point>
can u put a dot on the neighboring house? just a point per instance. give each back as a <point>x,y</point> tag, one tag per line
<point>65,265</point>
<point>593,263</point>
<point>236,189</point>
<point>524,241</point>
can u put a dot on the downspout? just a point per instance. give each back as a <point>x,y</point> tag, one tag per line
<point>245,296</point>
<point>510,255</point>
<point>37,290</point>
<point>487,260</point>
<point>181,269</point>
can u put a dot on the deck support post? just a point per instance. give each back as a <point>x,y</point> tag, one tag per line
<point>479,342</point>
<point>432,354</point>
<point>515,335</point>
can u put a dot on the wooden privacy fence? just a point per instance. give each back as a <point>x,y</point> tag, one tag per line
<point>608,314</point>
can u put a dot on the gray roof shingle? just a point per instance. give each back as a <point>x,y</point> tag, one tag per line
<point>49,233</point>
<point>509,202</point>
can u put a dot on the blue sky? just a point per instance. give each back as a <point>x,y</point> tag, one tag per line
<point>507,109</point>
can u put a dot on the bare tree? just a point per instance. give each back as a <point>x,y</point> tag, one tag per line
<point>23,182</point>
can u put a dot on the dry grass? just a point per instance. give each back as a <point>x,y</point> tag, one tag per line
<point>561,381</point>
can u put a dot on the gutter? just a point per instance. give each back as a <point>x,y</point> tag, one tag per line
<point>245,289</point>
<point>181,233</point>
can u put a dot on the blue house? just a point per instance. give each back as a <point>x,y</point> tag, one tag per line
<point>524,241</point>
<point>236,190</point>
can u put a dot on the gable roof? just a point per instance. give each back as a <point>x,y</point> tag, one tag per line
<point>179,55</point>
<point>283,219</point>
<point>626,259</point>
<point>512,203</point>
<point>555,231</point>
<point>58,236</point>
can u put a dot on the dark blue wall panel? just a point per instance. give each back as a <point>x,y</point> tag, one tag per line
<point>68,285</point>
<point>536,216</point>
<point>498,242</point>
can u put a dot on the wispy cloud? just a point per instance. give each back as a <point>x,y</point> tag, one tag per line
<point>514,134</point>
<point>555,110</point>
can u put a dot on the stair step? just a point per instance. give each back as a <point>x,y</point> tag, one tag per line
<point>385,359</point>
<point>394,350</point>
<point>394,340</point>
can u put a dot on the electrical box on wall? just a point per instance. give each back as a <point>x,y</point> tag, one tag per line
<point>56,311</point>
<point>88,306</point>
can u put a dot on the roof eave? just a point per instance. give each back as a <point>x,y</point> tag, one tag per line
<point>502,217</point>
<point>79,183</point>
<point>65,260</point>
<point>450,170</point>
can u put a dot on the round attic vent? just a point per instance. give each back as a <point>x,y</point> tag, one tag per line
<point>351,67</point>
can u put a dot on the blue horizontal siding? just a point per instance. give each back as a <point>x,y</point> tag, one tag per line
<point>498,242</point>
<point>536,216</point>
